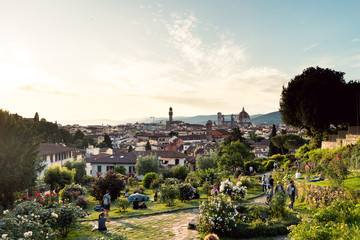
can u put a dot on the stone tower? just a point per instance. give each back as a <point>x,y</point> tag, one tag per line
<point>170,114</point>
<point>209,130</point>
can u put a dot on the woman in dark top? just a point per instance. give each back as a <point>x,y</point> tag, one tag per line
<point>102,221</point>
<point>135,203</point>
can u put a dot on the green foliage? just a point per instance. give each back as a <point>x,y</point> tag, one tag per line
<point>236,135</point>
<point>56,177</point>
<point>65,136</point>
<point>308,100</point>
<point>337,221</point>
<point>337,170</point>
<point>147,164</point>
<point>147,146</point>
<point>168,193</point>
<point>234,155</point>
<point>133,181</point>
<point>207,188</point>
<point>130,149</point>
<point>269,165</point>
<point>247,181</point>
<point>79,135</point>
<point>273,149</point>
<point>112,181</point>
<point>122,204</point>
<point>173,133</point>
<point>71,192</point>
<point>180,172</point>
<point>120,169</point>
<point>148,178</point>
<point>209,175</point>
<point>66,220</point>
<point>82,202</point>
<point>139,189</point>
<point>216,215</point>
<point>171,181</point>
<point>19,157</point>
<point>278,203</point>
<point>80,170</point>
<point>108,141</point>
<point>167,172</point>
<point>186,191</point>
<point>204,162</point>
<point>277,158</point>
<point>193,179</point>
<point>235,192</point>
<point>155,184</point>
<point>258,167</point>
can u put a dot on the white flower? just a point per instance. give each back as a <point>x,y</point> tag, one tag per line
<point>6,212</point>
<point>4,235</point>
<point>54,215</point>
<point>28,234</point>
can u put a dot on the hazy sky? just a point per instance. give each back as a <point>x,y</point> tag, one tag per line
<point>72,60</point>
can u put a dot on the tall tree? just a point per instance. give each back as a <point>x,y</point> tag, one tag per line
<point>108,141</point>
<point>313,100</point>
<point>65,136</point>
<point>19,157</point>
<point>205,162</point>
<point>148,146</point>
<point>130,149</point>
<point>79,135</point>
<point>36,117</point>
<point>273,149</point>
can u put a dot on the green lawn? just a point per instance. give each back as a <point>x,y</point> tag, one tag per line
<point>352,181</point>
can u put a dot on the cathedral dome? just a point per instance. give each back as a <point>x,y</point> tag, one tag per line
<point>243,117</point>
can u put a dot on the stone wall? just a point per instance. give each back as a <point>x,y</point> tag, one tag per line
<point>349,139</point>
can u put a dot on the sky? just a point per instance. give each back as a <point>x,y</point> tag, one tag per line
<point>83,60</point>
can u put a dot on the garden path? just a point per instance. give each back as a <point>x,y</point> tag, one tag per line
<point>161,226</point>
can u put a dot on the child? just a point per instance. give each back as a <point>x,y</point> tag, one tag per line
<point>97,207</point>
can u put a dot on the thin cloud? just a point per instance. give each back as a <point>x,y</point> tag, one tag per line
<point>311,47</point>
<point>355,40</point>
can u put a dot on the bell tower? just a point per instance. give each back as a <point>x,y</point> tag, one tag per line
<point>170,114</point>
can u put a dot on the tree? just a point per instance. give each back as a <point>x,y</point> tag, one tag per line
<point>173,133</point>
<point>147,146</point>
<point>56,177</point>
<point>147,164</point>
<point>19,157</point>
<point>234,156</point>
<point>272,149</point>
<point>36,117</point>
<point>102,145</point>
<point>65,136</point>
<point>112,181</point>
<point>130,149</point>
<point>205,162</point>
<point>255,137</point>
<point>79,135</point>
<point>279,142</point>
<point>108,141</point>
<point>313,100</point>
<point>236,135</point>
<point>80,170</point>
<point>181,172</point>
<point>120,169</point>
<point>287,142</point>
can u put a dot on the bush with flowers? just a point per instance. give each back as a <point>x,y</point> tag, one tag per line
<point>31,220</point>
<point>171,181</point>
<point>71,192</point>
<point>139,189</point>
<point>168,193</point>
<point>186,191</point>
<point>236,193</point>
<point>246,181</point>
<point>82,202</point>
<point>217,215</point>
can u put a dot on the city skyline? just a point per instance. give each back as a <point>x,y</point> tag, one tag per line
<point>120,60</point>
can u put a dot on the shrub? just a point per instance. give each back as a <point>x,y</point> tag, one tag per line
<point>167,172</point>
<point>337,221</point>
<point>66,218</point>
<point>278,158</point>
<point>133,181</point>
<point>246,181</point>
<point>186,191</point>
<point>171,181</point>
<point>120,169</point>
<point>207,188</point>
<point>148,178</point>
<point>234,192</point>
<point>217,215</point>
<point>67,196</point>
<point>287,165</point>
<point>192,179</point>
<point>82,202</point>
<point>168,194</point>
<point>123,204</point>
<point>112,181</point>
<point>180,172</point>
<point>208,175</point>
<point>155,184</point>
<point>337,170</point>
<point>278,203</point>
<point>269,165</point>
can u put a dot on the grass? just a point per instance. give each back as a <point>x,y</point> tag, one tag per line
<point>351,182</point>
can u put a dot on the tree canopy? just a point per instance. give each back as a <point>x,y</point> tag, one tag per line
<point>234,156</point>
<point>108,141</point>
<point>287,142</point>
<point>315,100</point>
<point>205,162</point>
<point>146,164</point>
<point>273,149</point>
<point>19,157</point>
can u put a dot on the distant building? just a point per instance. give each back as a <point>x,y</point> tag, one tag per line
<point>243,119</point>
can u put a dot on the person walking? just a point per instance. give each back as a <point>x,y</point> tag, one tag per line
<point>291,190</point>
<point>271,185</point>
<point>107,203</point>
<point>279,188</point>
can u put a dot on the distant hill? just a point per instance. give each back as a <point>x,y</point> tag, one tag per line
<point>270,118</point>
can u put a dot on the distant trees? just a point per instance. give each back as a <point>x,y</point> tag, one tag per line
<point>272,148</point>
<point>287,142</point>
<point>130,149</point>
<point>173,133</point>
<point>19,157</point>
<point>108,141</point>
<point>317,99</point>
<point>120,169</point>
<point>56,177</point>
<point>147,164</point>
<point>111,181</point>
<point>147,146</point>
<point>80,170</point>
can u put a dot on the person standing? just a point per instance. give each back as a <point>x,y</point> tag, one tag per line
<point>263,183</point>
<point>279,188</point>
<point>251,168</point>
<point>291,190</point>
<point>271,185</point>
<point>107,203</point>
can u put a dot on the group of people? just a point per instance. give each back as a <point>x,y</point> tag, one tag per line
<point>136,205</point>
<point>270,189</point>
